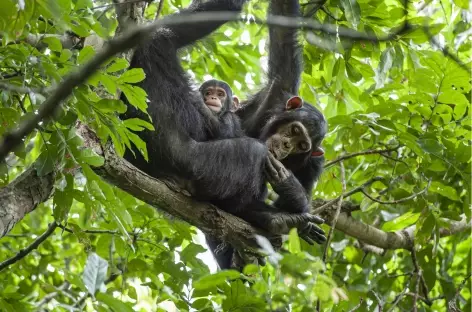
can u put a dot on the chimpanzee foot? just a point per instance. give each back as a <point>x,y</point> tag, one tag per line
<point>222,248</point>
<point>281,223</point>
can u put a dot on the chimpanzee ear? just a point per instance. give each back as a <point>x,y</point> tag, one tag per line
<point>294,102</point>
<point>235,102</point>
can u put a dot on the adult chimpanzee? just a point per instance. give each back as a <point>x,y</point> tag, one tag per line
<point>186,147</point>
<point>292,130</point>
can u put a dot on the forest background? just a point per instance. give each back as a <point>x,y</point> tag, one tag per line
<point>392,78</point>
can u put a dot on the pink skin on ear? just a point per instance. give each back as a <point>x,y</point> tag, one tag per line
<point>294,102</point>
<point>317,152</point>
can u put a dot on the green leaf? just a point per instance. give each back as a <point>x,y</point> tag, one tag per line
<point>115,304</point>
<point>110,106</point>
<point>137,124</point>
<point>352,11</point>
<point>216,279</point>
<point>63,199</point>
<point>464,4</point>
<point>431,146</point>
<point>132,76</point>
<point>53,43</point>
<point>401,222</point>
<point>95,273</point>
<point>444,190</point>
<point>294,241</point>
<point>109,83</point>
<point>46,160</point>
<point>136,96</point>
<point>91,158</point>
<point>457,99</point>
<point>85,54</point>
<point>118,65</point>
<point>353,74</point>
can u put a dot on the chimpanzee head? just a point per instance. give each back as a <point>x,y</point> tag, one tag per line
<point>218,96</point>
<point>294,135</point>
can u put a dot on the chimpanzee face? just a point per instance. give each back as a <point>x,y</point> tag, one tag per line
<point>290,138</point>
<point>214,97</point>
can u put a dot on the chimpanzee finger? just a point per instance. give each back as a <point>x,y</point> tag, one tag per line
<point>271,172</point>
<point>317,229</point>
<point>316,219</point>
<point>316,236</point>
<point>307,239</point>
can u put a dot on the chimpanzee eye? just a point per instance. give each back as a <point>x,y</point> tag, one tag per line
<point>220,94</point>
<point>207,93</point>
<point>296,130</point>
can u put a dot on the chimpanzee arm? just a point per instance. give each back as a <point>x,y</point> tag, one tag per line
<point>188,33</point>
<point>285,68</point>
<point>285,53</point>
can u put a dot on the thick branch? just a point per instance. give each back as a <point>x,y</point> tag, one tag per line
<point>28,190</point>
<point>22,196</point>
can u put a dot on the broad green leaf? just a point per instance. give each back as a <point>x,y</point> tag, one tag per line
<point>63,199</point>
<point>111,106</point>
<point>352,11</point>
<point>118,64</point>
<point>53,43</point>
<point>132,76</point>
<point>135,95</point>
<point>114,303</point>
<point>294,241</point>
<point>89,157</point>
<point>85,54</point>
<point>444,190</point>
<point>216,279</point>
<point>137,124</point>
<point>464,4</point>
<point>95,273</point>
<point>401,222</point>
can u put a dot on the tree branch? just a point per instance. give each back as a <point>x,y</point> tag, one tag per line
<point>368,152</point>
<point>22,196</point>
<point>22,253</point>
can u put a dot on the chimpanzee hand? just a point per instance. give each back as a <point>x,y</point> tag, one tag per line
<point>282,222</point>
<point>275,171</point>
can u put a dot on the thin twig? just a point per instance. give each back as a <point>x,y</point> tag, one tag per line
<point>358,189</point>
<point>419,272</point>
<point>401,200</point>
<point>159,9</point>
<point>22,253</point>
<point>368,152</point>
<point>112,232</point>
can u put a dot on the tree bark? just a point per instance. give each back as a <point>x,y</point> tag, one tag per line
<point>22,196</point>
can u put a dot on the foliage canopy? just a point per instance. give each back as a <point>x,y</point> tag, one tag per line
<point>410,95</point>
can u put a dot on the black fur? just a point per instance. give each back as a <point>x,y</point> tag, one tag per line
<point>265,112</point>
<point>190,144</point>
